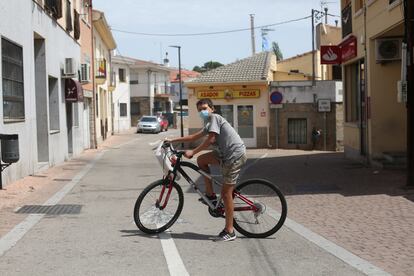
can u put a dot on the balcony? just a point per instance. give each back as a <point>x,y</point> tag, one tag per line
<point>100,73</point>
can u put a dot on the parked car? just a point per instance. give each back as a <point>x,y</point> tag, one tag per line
<point>149,124</point>
<point>164,123</point>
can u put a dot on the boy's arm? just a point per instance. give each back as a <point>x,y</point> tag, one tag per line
<point>188,138</point>
<point>211,138</point>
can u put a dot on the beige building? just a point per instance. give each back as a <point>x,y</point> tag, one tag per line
<point>104,43</point>
<point>239,92</point>
<point>375,119</point>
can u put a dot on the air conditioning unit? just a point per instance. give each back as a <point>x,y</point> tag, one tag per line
<point>388,49</point>
<point>85,72</point>
<point>69,69</point>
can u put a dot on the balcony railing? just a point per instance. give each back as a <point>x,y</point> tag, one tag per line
<point>100,72</point>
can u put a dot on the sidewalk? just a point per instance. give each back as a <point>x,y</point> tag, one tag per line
<point>36,189</point>
<point>364,210</point>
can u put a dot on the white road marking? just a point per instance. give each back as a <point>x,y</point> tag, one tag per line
<point>174,262</point>
<point>11,238</point>
<point>339,252</point>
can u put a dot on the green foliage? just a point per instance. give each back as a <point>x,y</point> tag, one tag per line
<point>207,66</point>
<point>277,51</point>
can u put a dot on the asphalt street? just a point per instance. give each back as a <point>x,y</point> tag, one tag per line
<point>102,238</point>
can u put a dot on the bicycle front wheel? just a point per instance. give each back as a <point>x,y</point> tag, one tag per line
<point>158,206</point>
<point>270,208</point>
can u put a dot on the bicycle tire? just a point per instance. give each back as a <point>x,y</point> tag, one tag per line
<point>264,191</point>
<point>153,215</point>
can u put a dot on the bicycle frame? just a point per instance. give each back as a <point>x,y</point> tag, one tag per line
<point>177,167</point>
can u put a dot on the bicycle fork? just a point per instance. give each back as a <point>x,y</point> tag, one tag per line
<point>159,203</point>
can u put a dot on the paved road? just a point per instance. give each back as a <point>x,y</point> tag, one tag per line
<point>103,240</point>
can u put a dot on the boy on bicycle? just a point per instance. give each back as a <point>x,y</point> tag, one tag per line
<point>229,152</point>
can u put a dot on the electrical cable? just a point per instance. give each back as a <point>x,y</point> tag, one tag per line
<point>212,33</point>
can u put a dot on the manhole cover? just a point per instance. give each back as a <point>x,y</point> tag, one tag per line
<point>59,209</point>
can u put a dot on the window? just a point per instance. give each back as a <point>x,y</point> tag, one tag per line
<point>123,109</point>
<point>85,10</point>
<point>69,27</point>
<point>135,109</point>
<point>121,72</point>
<point>13,84</point>
<point>297,131</point>
<point>226,111</point>
<point>54,104</point>
<point>134,78</point>
<point>354,75</point>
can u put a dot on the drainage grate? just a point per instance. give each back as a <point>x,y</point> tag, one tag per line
<point>60,209</point>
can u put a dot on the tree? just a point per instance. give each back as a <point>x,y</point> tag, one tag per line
<point>277,51</point>
<point>210,65</point>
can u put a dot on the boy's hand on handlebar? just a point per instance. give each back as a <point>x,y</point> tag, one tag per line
<point>189,154</point>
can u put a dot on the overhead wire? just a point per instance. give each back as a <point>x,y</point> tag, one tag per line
<point>212,33</point>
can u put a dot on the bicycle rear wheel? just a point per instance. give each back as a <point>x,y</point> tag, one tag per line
<point>271,208</point>
<point>158,206</point>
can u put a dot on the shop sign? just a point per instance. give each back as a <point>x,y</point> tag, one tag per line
<point>229,94</point>
<point>324,105</point>
<point>73,91</point>
<point>348,48</point>
<point>331,54</point>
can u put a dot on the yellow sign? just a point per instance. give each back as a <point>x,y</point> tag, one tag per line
<point>228,94</point>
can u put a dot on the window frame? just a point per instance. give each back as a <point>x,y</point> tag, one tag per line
<point>12,99</point>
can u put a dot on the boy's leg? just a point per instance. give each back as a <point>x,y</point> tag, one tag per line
<point>227,195</point>
<point>203,161</point>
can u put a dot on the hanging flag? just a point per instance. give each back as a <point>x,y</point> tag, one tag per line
<point>265,43</point>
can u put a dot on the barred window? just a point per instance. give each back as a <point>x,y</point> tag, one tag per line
<point>297,131</point>
<point>122,109</point>
<point>13,84</point>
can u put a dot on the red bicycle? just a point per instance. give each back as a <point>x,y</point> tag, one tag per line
<point>260,207</point>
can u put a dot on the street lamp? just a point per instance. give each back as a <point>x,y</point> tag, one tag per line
<point>181,89</point>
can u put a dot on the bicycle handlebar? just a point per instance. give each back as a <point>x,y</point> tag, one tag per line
<point>167,144</point>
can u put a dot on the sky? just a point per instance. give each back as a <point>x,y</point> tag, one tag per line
<point>201,16</point>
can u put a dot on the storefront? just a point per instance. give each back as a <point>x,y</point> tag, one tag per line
<point>243,106</point>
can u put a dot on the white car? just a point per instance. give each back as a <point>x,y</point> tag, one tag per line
<point>149,124</point>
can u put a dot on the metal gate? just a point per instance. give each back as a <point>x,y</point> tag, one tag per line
<point>297,131</point>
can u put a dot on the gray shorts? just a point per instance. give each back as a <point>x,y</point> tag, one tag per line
<point>231,170</point>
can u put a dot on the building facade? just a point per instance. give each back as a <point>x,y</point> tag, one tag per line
<point>122,93</point>
<point>103,44</point>
<point>41,95</point>
<point>150,89</point>
<point>375,116</point>
<point>239,92</point>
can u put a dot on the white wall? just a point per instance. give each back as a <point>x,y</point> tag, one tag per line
<point>303,92</point>
<point>19,20</point>
<point>121,94</point>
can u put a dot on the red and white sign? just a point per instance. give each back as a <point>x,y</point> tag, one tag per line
<point>348,48</point>
<point>331,54</point>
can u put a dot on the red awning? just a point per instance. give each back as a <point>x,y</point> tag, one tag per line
<point>73,91</point>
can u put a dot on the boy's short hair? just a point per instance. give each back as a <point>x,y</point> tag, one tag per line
<point>205,101</point>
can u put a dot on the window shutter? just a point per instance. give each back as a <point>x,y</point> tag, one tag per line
<point>76,25</point>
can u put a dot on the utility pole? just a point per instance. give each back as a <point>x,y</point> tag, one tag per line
<point>252,34</point>
<point>409,37</point>
<point>313,47</point>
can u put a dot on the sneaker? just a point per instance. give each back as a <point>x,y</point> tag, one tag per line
<point>225,236</point>
<point>213,197</point>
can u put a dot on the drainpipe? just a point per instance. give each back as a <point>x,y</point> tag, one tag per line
<point>151,98</point>
<point>93,129</point>
<point>366,87</point>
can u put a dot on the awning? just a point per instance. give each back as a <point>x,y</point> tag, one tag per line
<point>73,91</point>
